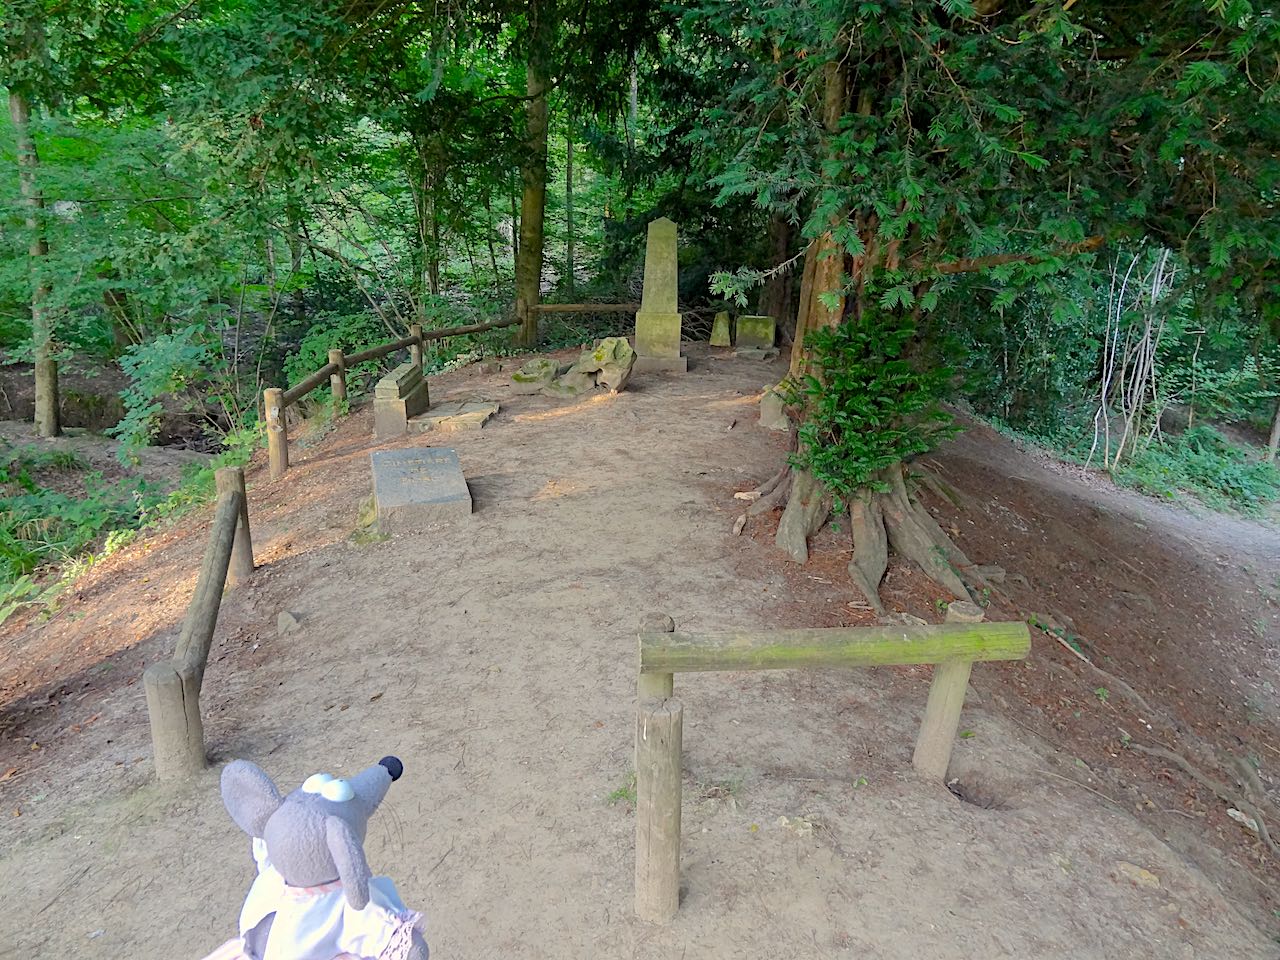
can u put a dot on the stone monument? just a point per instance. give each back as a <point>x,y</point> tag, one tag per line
<point>658,322</point>
<point>397,397</point>
<point>415,487</point>
<point>720,330</point>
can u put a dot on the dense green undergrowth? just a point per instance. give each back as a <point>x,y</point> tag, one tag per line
<point>58,517</point>
<point>1200,462</point>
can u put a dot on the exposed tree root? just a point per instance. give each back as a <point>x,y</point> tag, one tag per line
<point>808,507</point>
<point>1221,790</point>
<point>870,547</point>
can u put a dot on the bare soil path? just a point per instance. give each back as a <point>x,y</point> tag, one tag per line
<point>495,657</point>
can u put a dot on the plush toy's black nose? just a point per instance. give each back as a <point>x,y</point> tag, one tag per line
<point>394,767</point>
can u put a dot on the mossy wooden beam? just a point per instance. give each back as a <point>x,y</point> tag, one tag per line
<point>832,647</point>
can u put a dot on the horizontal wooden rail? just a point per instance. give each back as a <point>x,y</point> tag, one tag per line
<point>585,307</point>
<point>275,400</point>
<point>953,647</point>
<point>832,647</point>
<point>306,385</point>
<point>173,686</point>
<point>376,353</point>
<point>463,331</point>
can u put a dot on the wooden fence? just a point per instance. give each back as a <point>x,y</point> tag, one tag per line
<point>173,686</point>
<point>275,401</point>
<point>953,647</point>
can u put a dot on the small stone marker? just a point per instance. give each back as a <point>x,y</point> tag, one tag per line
<point>756,333</point>
<point>418,486</point>
<point>469,414</point>
<point>720,333</point>
<point>658,322</point>
<point>399,395</point>
<point>773,409</point>
<point>534,375</point>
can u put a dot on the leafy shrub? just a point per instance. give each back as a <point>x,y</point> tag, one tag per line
<point>869,407</point>
<point>169,365</point>
<point>348,332</point>
<point>1203,462</point>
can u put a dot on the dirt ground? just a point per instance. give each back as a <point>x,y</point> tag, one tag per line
<point>495,656</point>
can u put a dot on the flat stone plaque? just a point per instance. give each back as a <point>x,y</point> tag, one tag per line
<point>416,487</point>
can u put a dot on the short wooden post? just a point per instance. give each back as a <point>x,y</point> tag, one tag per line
<point>232,479</point>
<point>655,685</point>
<point>415,349</point>
<point>177,734</point>
<point>338,379</point>
<point>659,732</point>
<point>937,735</point>
<point>277,432</point>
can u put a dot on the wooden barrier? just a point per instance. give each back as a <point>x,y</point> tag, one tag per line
<point>585,308</point>
<point>953,647</point>
<point>275,400</point>
<point>173,686</point>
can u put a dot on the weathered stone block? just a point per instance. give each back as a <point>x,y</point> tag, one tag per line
<point>756,353</point>
<point>658,334</point>
<point>534,375</point>
<point>416,487</point>
<point>773,410</point>
<point>391,416</point>
<point>400,382</point>
<point>757,332</point>
<point>721,334</point>
<point>469,414</point>
<point>609,362</point>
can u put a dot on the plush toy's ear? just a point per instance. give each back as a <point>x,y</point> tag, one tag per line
<point>348,857</point>
<point>250,796</point>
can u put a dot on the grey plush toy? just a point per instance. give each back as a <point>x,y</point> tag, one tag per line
<point>314,897</point>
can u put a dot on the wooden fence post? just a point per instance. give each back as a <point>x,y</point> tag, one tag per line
<point>277,432</point>
<point>338,379</point>
<point>659,731</point>
<point>937,734</point>
<point>415,349</point>
<point>232,479</point>
<point>653,686</point>
<point>173,705</point>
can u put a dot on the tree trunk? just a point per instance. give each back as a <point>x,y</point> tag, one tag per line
<point>297,305</point>
<point>47,417</point>
<point>1273,444</point>
<point>568,215</point>
<point>534,174</point>
<point>488,236</point>
<point>775,301</point>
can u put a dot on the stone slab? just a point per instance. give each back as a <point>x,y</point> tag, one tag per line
<point>399,383</point>
<point>721,333</point>
<point>469,414</point>
<point>391,416</point>
<point>658,334</point>
<point>756,353</point>
<point>661,365</point>
<point>758,332</point>
<point>415,487</point>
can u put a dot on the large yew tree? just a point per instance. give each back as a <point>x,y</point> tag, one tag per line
<point>913,142</point>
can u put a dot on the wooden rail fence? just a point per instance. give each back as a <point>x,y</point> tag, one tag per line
<point>953,648</point>
<point>173,686</point>
<point>334,373</point>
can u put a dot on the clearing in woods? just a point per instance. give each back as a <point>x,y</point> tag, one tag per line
<point>495,655</point>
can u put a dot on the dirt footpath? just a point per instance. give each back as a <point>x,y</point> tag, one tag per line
<point>495,656</point>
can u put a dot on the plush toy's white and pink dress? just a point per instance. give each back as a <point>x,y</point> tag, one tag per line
<point>317,923</point>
